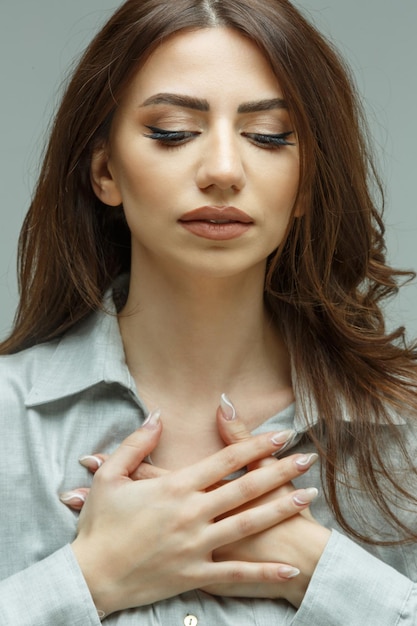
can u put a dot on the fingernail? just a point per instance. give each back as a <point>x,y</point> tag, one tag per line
<point>307,460</point>
<point>285,571</point>
<point>305,496</point>
<point>71,496</point>
<point>227,408</point>
<point>282,437</point>
<point>152,420</point>
<point>90,461</point>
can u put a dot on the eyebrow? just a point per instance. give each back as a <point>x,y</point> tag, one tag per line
<point>187,102</point>
<point>262,105</point>
<point>200,104</point>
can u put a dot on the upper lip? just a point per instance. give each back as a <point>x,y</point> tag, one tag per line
<point>216,214</point>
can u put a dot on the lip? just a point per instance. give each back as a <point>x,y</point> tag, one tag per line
<point>213,213</point>
<point>216,223</point>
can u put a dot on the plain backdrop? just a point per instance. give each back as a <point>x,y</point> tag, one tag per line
<point>40,39</point>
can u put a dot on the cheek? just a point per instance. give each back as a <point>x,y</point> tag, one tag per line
<point>281,200</point>
<point>135,181</point>
<point>284,189</point>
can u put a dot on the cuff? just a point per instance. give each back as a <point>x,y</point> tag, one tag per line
<point>350,587</point>
<point>52,592</point>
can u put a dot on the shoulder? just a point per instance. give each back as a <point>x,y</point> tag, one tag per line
<point>19,371</point>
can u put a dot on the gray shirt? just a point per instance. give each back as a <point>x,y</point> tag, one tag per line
<point>74,396</point>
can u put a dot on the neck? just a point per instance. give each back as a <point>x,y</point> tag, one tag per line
<point>195,338</point>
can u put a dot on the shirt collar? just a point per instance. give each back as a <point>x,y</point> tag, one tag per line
<point>71,369</point>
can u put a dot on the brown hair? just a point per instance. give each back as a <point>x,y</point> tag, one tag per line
<point>324,285</point>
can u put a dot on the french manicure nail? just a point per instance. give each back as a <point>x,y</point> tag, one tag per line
<point>152,420</point>
<point>72,497</point>
<point>282,437</point>
<point>288,572</point>
<point>305,496</point>
<point>227,408</point>
<point>90,461</point>
<point>307,460</point>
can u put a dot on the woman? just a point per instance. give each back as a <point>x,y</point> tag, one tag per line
<point>203,223</point>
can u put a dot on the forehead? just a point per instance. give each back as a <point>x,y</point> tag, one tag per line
<point>216,63</point>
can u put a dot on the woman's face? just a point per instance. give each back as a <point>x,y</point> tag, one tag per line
<point>203,156</point>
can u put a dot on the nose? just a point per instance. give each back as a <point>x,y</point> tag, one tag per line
<point>221,163</point>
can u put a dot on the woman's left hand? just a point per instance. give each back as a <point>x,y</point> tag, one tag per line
<point>299,540</point>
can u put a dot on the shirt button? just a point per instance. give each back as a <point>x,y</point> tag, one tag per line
<point>190,620</point>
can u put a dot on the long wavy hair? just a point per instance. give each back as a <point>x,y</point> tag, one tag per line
<point>323,286</point>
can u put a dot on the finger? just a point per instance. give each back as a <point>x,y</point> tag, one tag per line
<point>214,468</point>
<point>93,461</point>
<point>240,572</point>
<point>147,470</point>
<point>75,499</point>
<point>232,429</point>
<point>258,589</point>
<point>131,452</point>
<point>252,485</point>
<point>259,518</point>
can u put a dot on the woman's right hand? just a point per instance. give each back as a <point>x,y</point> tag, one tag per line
<point>146,540</point>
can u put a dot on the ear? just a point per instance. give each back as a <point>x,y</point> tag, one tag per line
<point>300,204</point>
<point>299,210</point>
<point>104,185</point>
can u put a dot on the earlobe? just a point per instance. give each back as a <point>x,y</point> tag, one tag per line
<point>299,210</point>
<point>102,181</point>
<point>300,205</point>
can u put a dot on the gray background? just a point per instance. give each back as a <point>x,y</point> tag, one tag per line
<point>39,39</point>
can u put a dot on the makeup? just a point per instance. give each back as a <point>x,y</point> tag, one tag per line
<point>217,223</point>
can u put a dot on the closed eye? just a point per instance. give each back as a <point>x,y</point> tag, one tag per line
<point>270,140</point>
<point>170,137</point>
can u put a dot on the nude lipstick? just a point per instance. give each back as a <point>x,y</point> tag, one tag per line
<point>217,223</point>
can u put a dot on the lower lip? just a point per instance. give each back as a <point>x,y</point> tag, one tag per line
<point>217,232</point>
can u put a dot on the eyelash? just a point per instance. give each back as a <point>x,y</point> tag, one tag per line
<point>170,137</point>
<point>178,137</point>
<point>270,141</point>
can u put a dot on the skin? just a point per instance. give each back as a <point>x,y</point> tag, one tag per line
<point>134,555</point>
<point>194,325</point>
<point>220,165</point>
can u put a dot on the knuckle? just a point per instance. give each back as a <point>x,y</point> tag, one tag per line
<point>267,574</point>
<point>261,446</point>
<point>231,460</point>
<point>248,487</point>
<point>174,487</point>
<point>246,524</point>
<point>237,575</point>
<point>239,432</point>
<point>284,470</point>
<point>281,509</point>
<point>179,483</point>
<point>103,475</point>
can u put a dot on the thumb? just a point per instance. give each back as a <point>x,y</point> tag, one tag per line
<point>132,451</point>
<point>232,429</point>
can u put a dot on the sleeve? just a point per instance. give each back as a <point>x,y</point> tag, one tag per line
<point>51,592</point>
<point>351,587</point>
